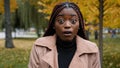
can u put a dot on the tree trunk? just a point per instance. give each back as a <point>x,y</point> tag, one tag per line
<point>8,28</point>
<point>101,29</point>
<point>96,35</point>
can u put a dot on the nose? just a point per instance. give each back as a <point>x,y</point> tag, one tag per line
<point>67,25</point>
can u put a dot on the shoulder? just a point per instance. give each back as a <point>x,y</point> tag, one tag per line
<point>90,43</point>
<point>42,44</point>
<point>45,40</point>
<point>87,45</point>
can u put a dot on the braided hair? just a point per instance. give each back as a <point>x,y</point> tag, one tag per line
<point>56,11</point>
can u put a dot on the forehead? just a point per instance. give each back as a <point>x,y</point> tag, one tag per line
<point>68,11</point>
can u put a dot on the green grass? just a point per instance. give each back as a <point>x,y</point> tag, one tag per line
<point>18,57</point>
<point>111,51</point>
<point>14,58</point>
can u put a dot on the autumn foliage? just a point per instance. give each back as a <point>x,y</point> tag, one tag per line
<point>13,6</point>
<point>89,8</point>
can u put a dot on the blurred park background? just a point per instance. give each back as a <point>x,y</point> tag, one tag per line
<point>28,20</point>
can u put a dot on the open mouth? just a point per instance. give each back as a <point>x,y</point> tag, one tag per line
<point>67,33</point>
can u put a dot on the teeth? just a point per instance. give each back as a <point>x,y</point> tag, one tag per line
<point>67,32</point>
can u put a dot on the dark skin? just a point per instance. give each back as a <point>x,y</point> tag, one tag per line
<point>67,24</point>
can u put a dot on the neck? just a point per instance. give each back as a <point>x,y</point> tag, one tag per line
<point>65,44</point>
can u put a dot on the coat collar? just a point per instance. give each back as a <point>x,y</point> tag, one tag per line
<point>83,46</point>
<point>51,56</point>
<point>48,41</point>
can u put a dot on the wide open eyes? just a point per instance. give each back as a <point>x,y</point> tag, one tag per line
<point>73,21</point>
<point>62,21</point>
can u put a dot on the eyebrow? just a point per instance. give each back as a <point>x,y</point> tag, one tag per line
<point>63,15</point>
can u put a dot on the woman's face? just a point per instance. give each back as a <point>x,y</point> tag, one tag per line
<point>67,24</point>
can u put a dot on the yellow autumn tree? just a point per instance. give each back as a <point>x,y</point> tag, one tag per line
<point>13,6</point>
<point>1,6</point>
<point>112,14</point>
<point>90,10</point>
<point>49,5</point>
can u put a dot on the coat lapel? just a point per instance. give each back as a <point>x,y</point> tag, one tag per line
<point>83,46</point>
<point>50,56</point>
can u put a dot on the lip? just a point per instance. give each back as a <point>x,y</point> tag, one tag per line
<point>67,33</point>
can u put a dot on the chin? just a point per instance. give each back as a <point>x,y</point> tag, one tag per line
<point>68,39</point>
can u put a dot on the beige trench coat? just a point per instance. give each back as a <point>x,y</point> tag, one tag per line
<point>44,54</point>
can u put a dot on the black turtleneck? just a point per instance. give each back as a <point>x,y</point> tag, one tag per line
<point>66,51</point>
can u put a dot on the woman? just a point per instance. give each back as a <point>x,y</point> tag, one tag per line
<point>64,44</point>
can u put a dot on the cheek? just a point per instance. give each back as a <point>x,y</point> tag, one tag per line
<point>76,28</point>
<point>58,28</point>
